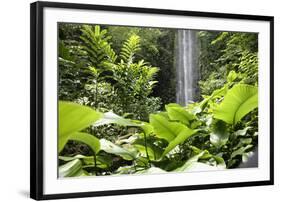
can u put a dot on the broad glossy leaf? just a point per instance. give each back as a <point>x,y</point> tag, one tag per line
<point>103,161</point>
<point>73,118</point>
<point>180,138</point>
<point>175,133</point>
<point>70,169</point>
<point>165,129</point>
<point>176,113</point>
<point>154,152</point>
<point>87,139</point>
<point>71,158</point>
<point>112,118</point>
<point>147,128</point>
<point>239,101</point>
<point>219,135</point>
<point>112,148</point>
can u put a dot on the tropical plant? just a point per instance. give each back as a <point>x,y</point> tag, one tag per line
<point>112,121</point>
<point>162,142</point>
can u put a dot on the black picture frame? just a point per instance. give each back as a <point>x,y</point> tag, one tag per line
<point>37,102</point>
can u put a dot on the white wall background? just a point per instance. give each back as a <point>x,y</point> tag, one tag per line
<point>14,100</point>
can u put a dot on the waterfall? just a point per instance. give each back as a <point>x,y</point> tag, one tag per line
<point>186,66</point>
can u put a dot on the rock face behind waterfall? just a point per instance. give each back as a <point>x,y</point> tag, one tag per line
<point>187,66</point>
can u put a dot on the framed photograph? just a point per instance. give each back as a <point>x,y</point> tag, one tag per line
<point>136,100</point>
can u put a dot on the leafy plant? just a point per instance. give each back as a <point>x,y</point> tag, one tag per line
<point>113,122</point>
<point>72,119</point>
<point>238,102</point>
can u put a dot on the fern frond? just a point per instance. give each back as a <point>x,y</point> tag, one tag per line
<point>130,47</point>
<point>95,43</point>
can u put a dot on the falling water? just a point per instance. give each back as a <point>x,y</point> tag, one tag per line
<point>187,66</point>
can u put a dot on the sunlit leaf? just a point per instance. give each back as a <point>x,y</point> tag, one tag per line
<point>73,118</point>
<point>175,133</point>
<point>238,102</point>
<point>88,139</point>
<point>179,114</point>
<point>111,118</point>
<point>70,169</point>
<point>180,138</point>
<point>165,129</point>
<point>112,148</point>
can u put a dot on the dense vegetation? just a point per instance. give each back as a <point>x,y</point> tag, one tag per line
<point>117,110</point>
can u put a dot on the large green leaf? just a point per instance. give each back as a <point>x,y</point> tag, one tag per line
<point>165,129</point>
<point>178,113</point>
<point>149,147</point>
<point>73,118</point>
<point>112,148</point>
<point>70,169</point>
<point>88,139</point>
<point>85,159</point>
<point>102,161</point>
<point>175,133</point>
<point>180,138</point>
<point>111,118</point>
<point>239,101</point>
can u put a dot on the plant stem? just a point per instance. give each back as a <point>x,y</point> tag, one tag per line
<point>145,144</point>
<point>96,102</point>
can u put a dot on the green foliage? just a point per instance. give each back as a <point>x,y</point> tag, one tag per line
<point>193,165</point>
<point>72,119</point>
<point>98,80</point>
<point>223,52</point>
<point>71,169</point>
<point>130,48</point>
<point>97,46</point>
<point>177,113</point>
<point>134,84</point>
<point>88,139</point>
<point>111,148</point>
<point>238,102</point>
<point>166,137</point>
<point>114,79</point>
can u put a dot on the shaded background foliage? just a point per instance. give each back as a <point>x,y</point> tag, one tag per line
<point>222,52</point>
